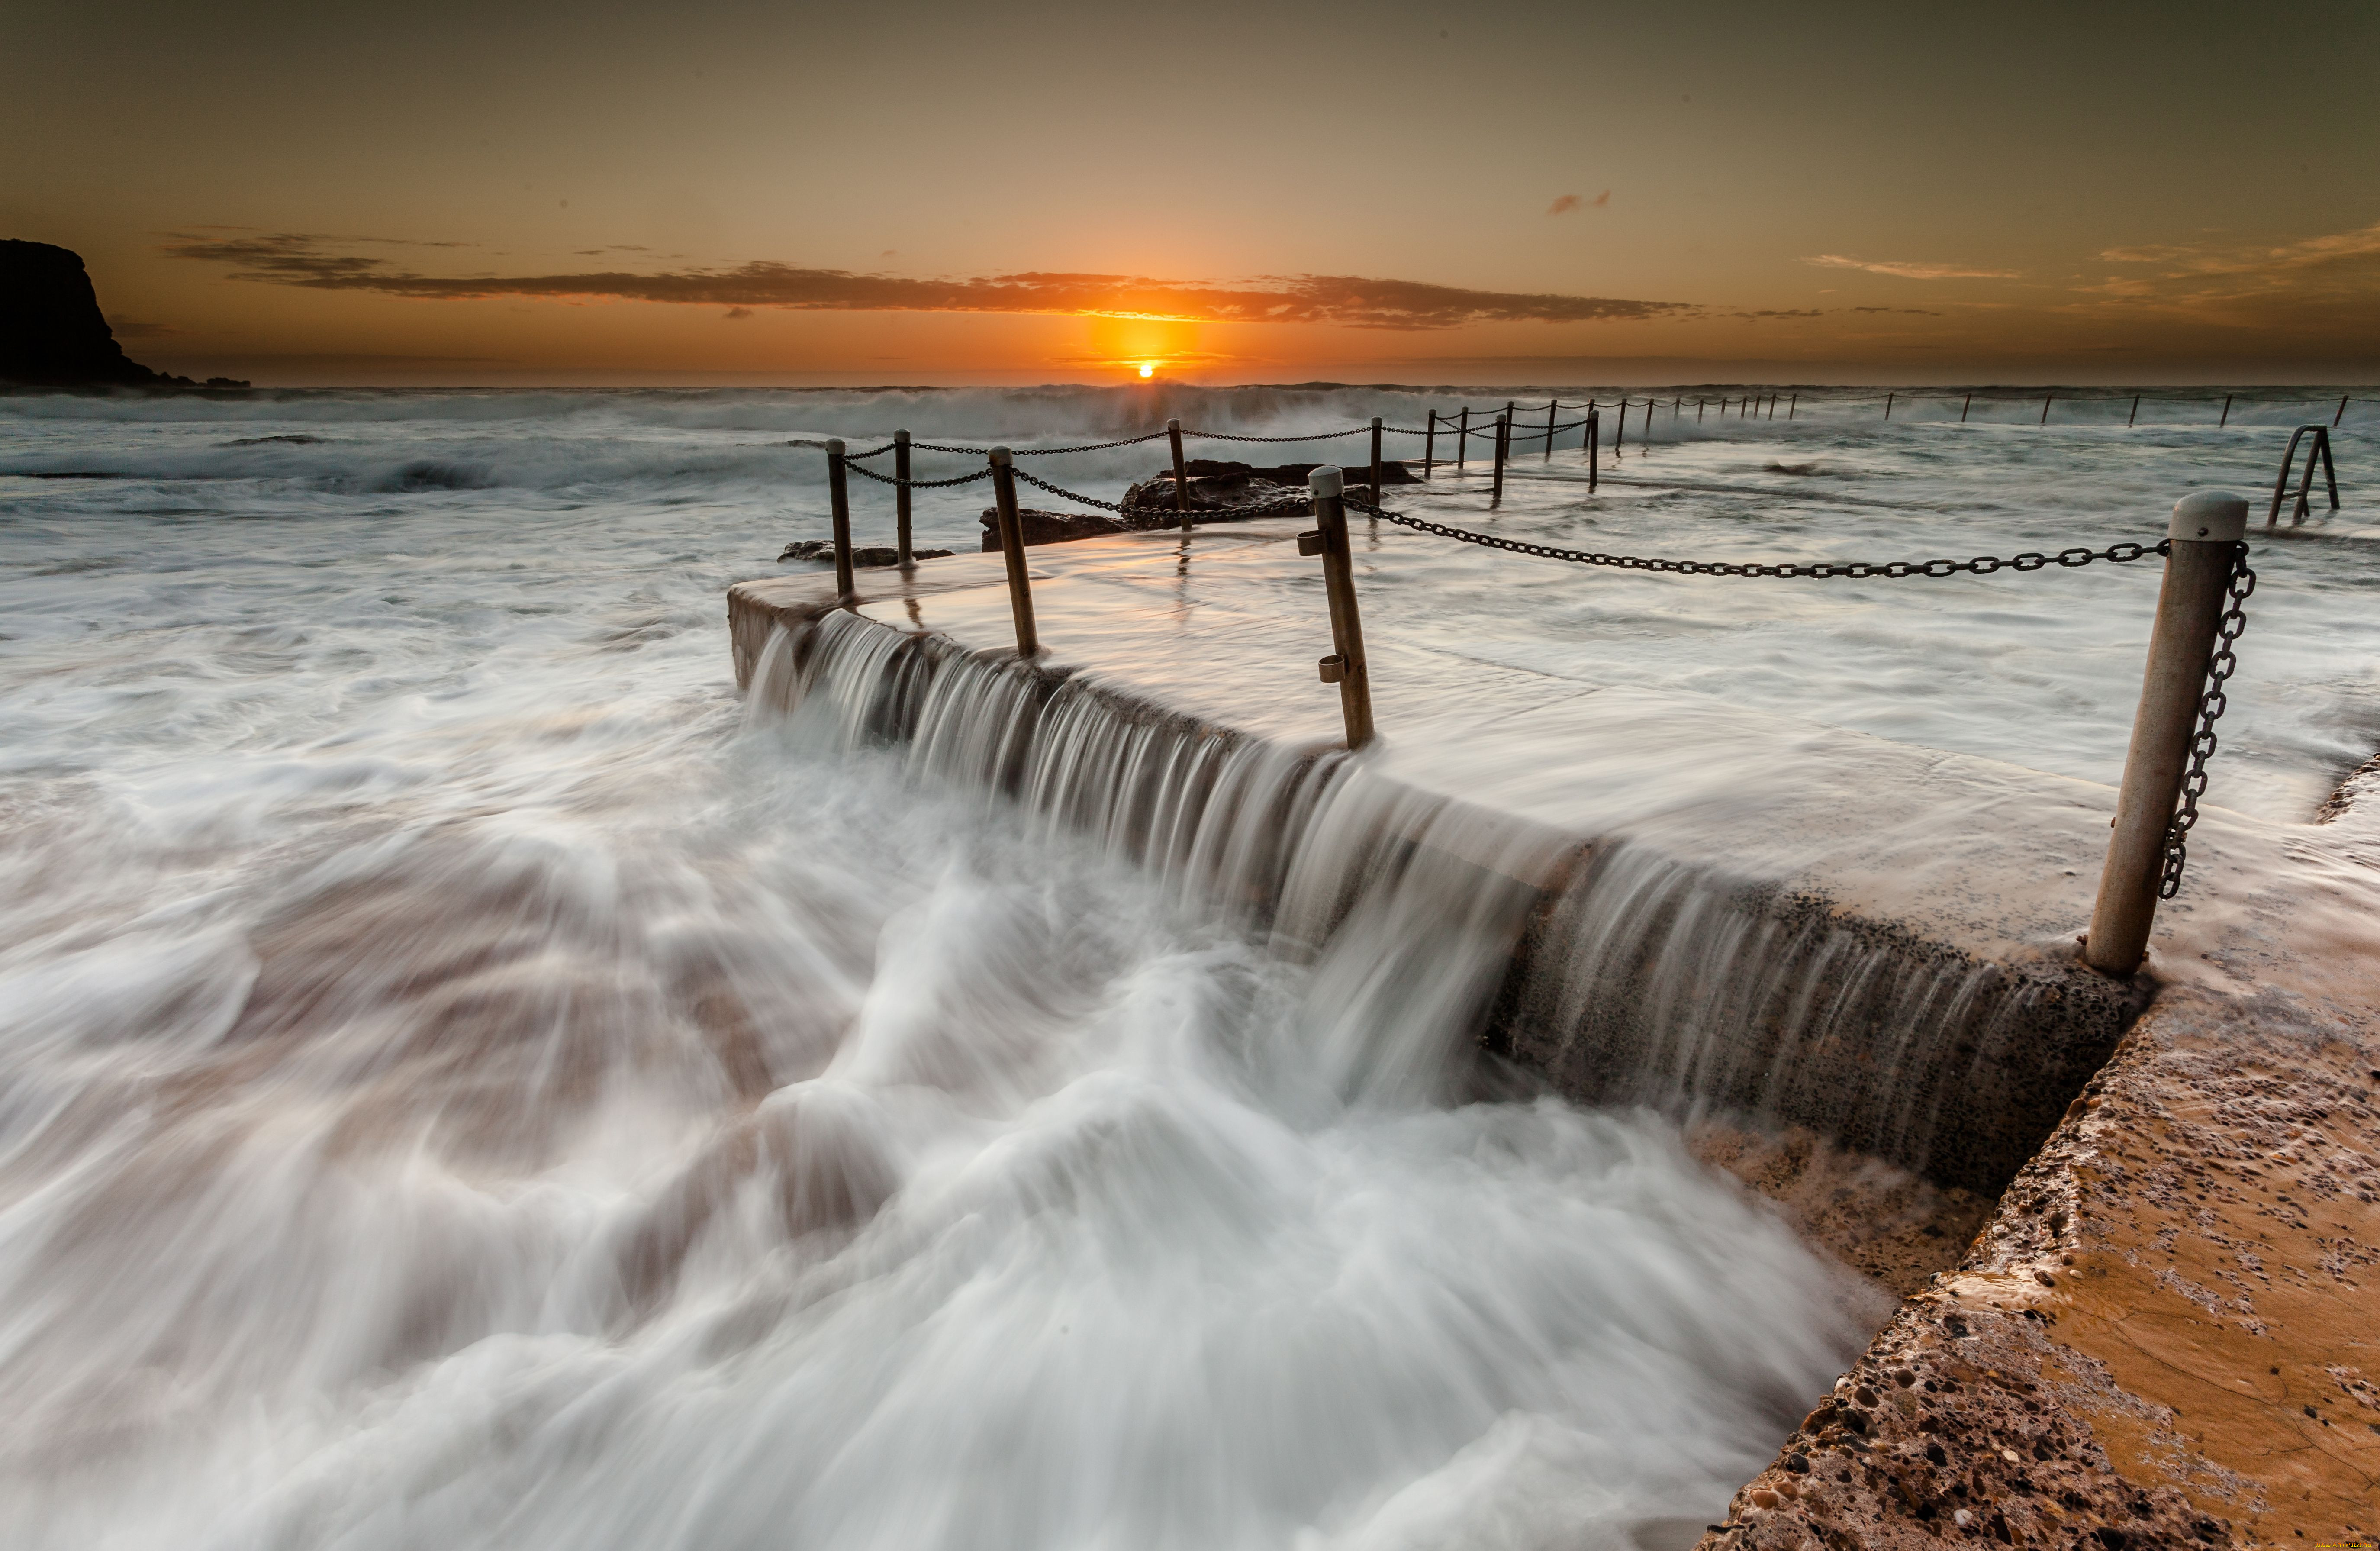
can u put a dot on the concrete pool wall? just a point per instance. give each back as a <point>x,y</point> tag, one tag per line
<point>1776,931</point>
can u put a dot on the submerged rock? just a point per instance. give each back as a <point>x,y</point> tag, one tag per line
<point>862,555</point>
<point>1219,492</point>
<point>1042,527</point>
<point>1226,492</point>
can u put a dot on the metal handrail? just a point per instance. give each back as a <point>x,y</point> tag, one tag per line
<point>2319,451</point>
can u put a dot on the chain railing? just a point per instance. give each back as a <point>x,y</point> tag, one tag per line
<point>2126,901</point>
<point>917,484</point>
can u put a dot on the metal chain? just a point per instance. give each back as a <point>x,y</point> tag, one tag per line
<point>1983,565</point>
<point>1043,452</point>
<point>872,452</point>
<point>920,484</point>
<point>2210,707</point>
<point>1318,436</point>
<point>1169,513</point>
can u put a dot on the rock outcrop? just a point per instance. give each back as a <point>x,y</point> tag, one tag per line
<point>52,334</point>
<point>862,555</point>
<point>1219,492</point>
<point>1226,492</point>
<point>1042,527</point>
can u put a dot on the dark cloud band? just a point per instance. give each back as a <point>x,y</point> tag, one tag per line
<point>318,263</point>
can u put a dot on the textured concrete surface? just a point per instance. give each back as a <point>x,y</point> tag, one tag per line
<point>2186,1276</point>
<point>2167,1331</point>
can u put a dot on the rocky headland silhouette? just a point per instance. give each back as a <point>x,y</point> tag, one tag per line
<point>52,332</point>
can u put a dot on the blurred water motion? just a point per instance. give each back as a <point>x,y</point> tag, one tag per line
<point>460,1085</point>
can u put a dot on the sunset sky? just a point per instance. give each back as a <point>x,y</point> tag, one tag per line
<point>921,193</point>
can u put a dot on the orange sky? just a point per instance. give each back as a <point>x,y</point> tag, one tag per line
<point>446,193</point>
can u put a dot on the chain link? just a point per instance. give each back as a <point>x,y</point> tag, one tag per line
<point>872,452</point>
<point>920,484</point>
<point>1858,571</point>
<point>1044,452</point>
<point>2210,707</point>
<point>1167,515</point>
<point>1317,437</point>
<point>2220,666</point>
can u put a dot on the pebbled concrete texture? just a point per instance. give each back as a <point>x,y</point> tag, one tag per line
<point>2170,1315</point>
<point>2186,1276</point>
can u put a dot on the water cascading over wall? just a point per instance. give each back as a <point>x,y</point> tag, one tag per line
<point>1615,971</point>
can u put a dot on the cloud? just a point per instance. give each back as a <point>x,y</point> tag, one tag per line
<point>1911,271</point>
<point>133,328</point>
<point>1569,202</point>
<point>2250,258</point>
<point>321,264</point>
<point>2322,292</point>
<point>1910,312</point>
<point>737,314</point>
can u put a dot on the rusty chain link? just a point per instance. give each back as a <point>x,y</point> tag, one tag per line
<point>920,484</point>
<point>2210,707</point>
<point>1317,437</point>
<point>1043,452</point>
<point>1983,565</point>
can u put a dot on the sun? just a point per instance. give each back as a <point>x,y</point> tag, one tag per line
<point>1148,369</point>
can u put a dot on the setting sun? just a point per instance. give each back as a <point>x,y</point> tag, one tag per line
<point>1148,369</point>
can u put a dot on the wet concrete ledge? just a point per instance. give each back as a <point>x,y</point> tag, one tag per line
<point>1876,880</point>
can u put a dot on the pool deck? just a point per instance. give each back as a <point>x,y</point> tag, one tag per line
<point>2169,1328</point>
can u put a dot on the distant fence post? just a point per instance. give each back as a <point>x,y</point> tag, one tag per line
<point>1594,447</point>
<point>2134,417</point>
<point>1964,407</point>
<point>1699,410</point>
<point>1378,496</point>
<point>1888,406</point>
<point>1552,405</point>
<point>2045,407</point>
<point>839,500</point>
<point>1463,440</point>
<point>2205,531</point>
<point>1181,474</point>
<point>1794,404</point>
<point>2227,413</point>
<point>1012,546</point>
<point>1345,666</point>
<point>1429,449</point>
<point>901,501</point>
<point>1619,431</point>
<point>2342,410</point>
<point>1503,450</point>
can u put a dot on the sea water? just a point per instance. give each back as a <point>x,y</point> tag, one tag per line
<point>463,1082</point>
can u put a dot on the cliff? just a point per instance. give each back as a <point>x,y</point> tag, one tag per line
<point>51,331</point>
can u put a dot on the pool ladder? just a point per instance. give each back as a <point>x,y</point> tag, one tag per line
<point>2318,451</point>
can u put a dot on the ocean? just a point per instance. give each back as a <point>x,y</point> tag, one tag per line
<point>464,1081</point>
